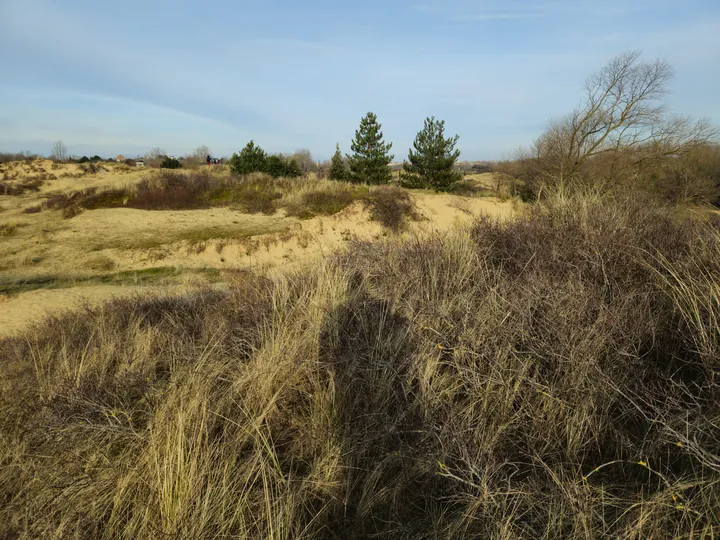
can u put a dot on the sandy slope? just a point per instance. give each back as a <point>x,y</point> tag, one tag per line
<point>101,242</point>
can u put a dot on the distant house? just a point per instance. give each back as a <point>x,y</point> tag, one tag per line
<point>139,163</point>
<point>120,158</point>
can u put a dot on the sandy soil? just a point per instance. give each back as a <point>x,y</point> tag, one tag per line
<point>18,312</point>
<point>121,240</point>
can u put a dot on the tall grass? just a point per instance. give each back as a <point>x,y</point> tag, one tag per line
<point>551,376</point>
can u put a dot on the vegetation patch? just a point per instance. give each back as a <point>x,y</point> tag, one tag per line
<point>552,376</point>
<point>8,229</point>
<point>194,236</point>
<point>391,206</point>
<point>148,276</point>
<point>252,194</point>
<point>254,199</point>
<point>34,209</point>
<point>14,188</point>
<point>324,203</point>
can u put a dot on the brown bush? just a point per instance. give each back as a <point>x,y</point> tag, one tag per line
<point>554,376</point>
<point>172,190</point>
<point>32,209</point>
<point>31,183</point>
<point>391,206</point>
<point>92,168</point>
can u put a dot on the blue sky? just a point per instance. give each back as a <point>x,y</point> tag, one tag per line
<point>111,77</point>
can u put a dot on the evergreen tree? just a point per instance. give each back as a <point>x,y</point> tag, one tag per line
<point>431,164</point>
<point>250,159</point>
<point>370,160</point>
<point>277,166</point>
<point>337,171</point>
<point>170,163</point>
<point>274,166</point>
<point>292,168</point>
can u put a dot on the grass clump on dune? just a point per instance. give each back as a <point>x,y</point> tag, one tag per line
<point>552,376</point>
<point>252,194</point>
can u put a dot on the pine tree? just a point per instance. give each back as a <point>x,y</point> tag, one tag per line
<point>278,166</point>
<point>370,160</point>
<point>337,171</point>
<point>431,164</point>
<point>292,168</point>
<point>170,163</point>
<point>250,159</point>
<point>274,166</point>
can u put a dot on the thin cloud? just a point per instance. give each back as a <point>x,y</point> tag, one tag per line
<point>428,9</point>
<point>494,16</point>
<point>524,9</point>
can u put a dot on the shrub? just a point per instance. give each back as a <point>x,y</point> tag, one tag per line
<point>7,229</point>
<point>292,168</point>
<point>91,167</point>
<point>6,188</point>
<point>391,206</point>
<point>278,166</point>
<point>172,191</point>
<point>338,170</point>
<point>30,183</point>
<point>250,159</point>
<point>691,178</point>
<point>71,211</point>
<point>325,203</point>
<point>553,376</point>
<point>71,204</point>
<point>32,209</point>
<point>170,163</point>
<point>254,201</point>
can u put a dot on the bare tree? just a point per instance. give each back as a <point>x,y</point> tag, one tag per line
<point>305,160</point>
<point>59,151</point>
<point>155,153</point>
<point>622,112</point>
<point>201,152</point>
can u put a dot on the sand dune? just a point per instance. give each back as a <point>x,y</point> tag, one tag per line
<point>104,253</point>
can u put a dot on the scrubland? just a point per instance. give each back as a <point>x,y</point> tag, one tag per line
<point>303,358</point>
<point>91,232</point>
<point>544,372</point>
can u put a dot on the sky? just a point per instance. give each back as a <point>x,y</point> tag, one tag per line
<point>125,77</point>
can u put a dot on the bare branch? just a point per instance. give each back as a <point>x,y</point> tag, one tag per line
<point>622,110</point>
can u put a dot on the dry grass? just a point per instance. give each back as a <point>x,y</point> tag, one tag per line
<point>553,376</point>
<point>9,229</point>
<point>252,194</point>
<point>148,276</point>
<point>32,183</point>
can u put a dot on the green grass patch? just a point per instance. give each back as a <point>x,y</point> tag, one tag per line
<point>146,276</point>
<point>325,203</point>
<point>256,201</point>
<point>150,240</point>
